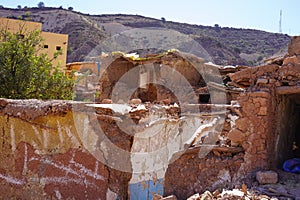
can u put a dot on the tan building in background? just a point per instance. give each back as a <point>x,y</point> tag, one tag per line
<point>53,42</point>
<point>15,25</point>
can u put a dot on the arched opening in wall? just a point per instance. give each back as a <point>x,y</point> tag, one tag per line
<point>288,127</point>
<point>153,75</point>
<point>113,73</point>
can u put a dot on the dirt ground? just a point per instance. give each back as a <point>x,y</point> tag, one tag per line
<point>288,186</point>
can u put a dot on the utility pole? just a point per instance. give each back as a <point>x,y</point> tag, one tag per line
<point>280,22</point>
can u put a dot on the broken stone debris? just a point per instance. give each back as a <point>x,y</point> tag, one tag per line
<point>159,197</point>
<point>267,177</point>
<point>230,195</point>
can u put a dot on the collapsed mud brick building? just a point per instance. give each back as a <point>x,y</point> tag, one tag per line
<point>150,134</point>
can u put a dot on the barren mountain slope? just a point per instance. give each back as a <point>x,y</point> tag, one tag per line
<point>227,46</point>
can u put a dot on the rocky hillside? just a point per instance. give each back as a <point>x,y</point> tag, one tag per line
<point>227,46</point>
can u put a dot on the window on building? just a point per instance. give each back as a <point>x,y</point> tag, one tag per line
<point>45,46</point>
<point>204,98</point>
<point>58,48</point>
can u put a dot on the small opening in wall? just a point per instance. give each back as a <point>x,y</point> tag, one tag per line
<point>285,83</point>
<point>45,46</point>
<point>204,98</point>
<point>58,48</point>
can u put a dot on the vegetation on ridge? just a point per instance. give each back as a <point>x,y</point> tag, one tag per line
<point>226,46</point>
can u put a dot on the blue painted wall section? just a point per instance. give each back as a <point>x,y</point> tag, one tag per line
<point>145,190</point>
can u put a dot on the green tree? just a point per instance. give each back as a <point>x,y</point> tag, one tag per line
<point>41,4</point>
<point>27,73</point>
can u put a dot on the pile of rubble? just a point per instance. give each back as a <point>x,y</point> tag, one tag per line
<point>234,194</point>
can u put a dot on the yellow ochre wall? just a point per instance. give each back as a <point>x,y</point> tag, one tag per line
<point>54,41</point>
<point>51,40</point>
<point>15,25</point>
<point>83,66</point>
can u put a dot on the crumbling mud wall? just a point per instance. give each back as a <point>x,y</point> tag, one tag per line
<point>132,150</point>
<point>268,121</point>
<point>266,127</point>
<point>43,155</point>
<point>48,148</point>
<point>192,173</point>
<point>248,147</point>
<point>173,76</point>
<point>169,75</point>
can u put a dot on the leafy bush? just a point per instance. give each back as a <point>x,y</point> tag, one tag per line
<point>26,73</point>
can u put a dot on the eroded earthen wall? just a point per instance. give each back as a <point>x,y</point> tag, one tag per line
<point>42,155</point>
<point>172,76</point>
<point>254,128</point>
<point>45,153</point>
<point>192,174</point>
<point>58,149</point>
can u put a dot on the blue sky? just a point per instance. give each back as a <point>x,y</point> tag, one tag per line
<point>256,14</point>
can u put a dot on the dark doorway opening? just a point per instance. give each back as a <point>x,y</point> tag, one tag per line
<point>288,126</point>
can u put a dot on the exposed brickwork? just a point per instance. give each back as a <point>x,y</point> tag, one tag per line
<point>190,174</point>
